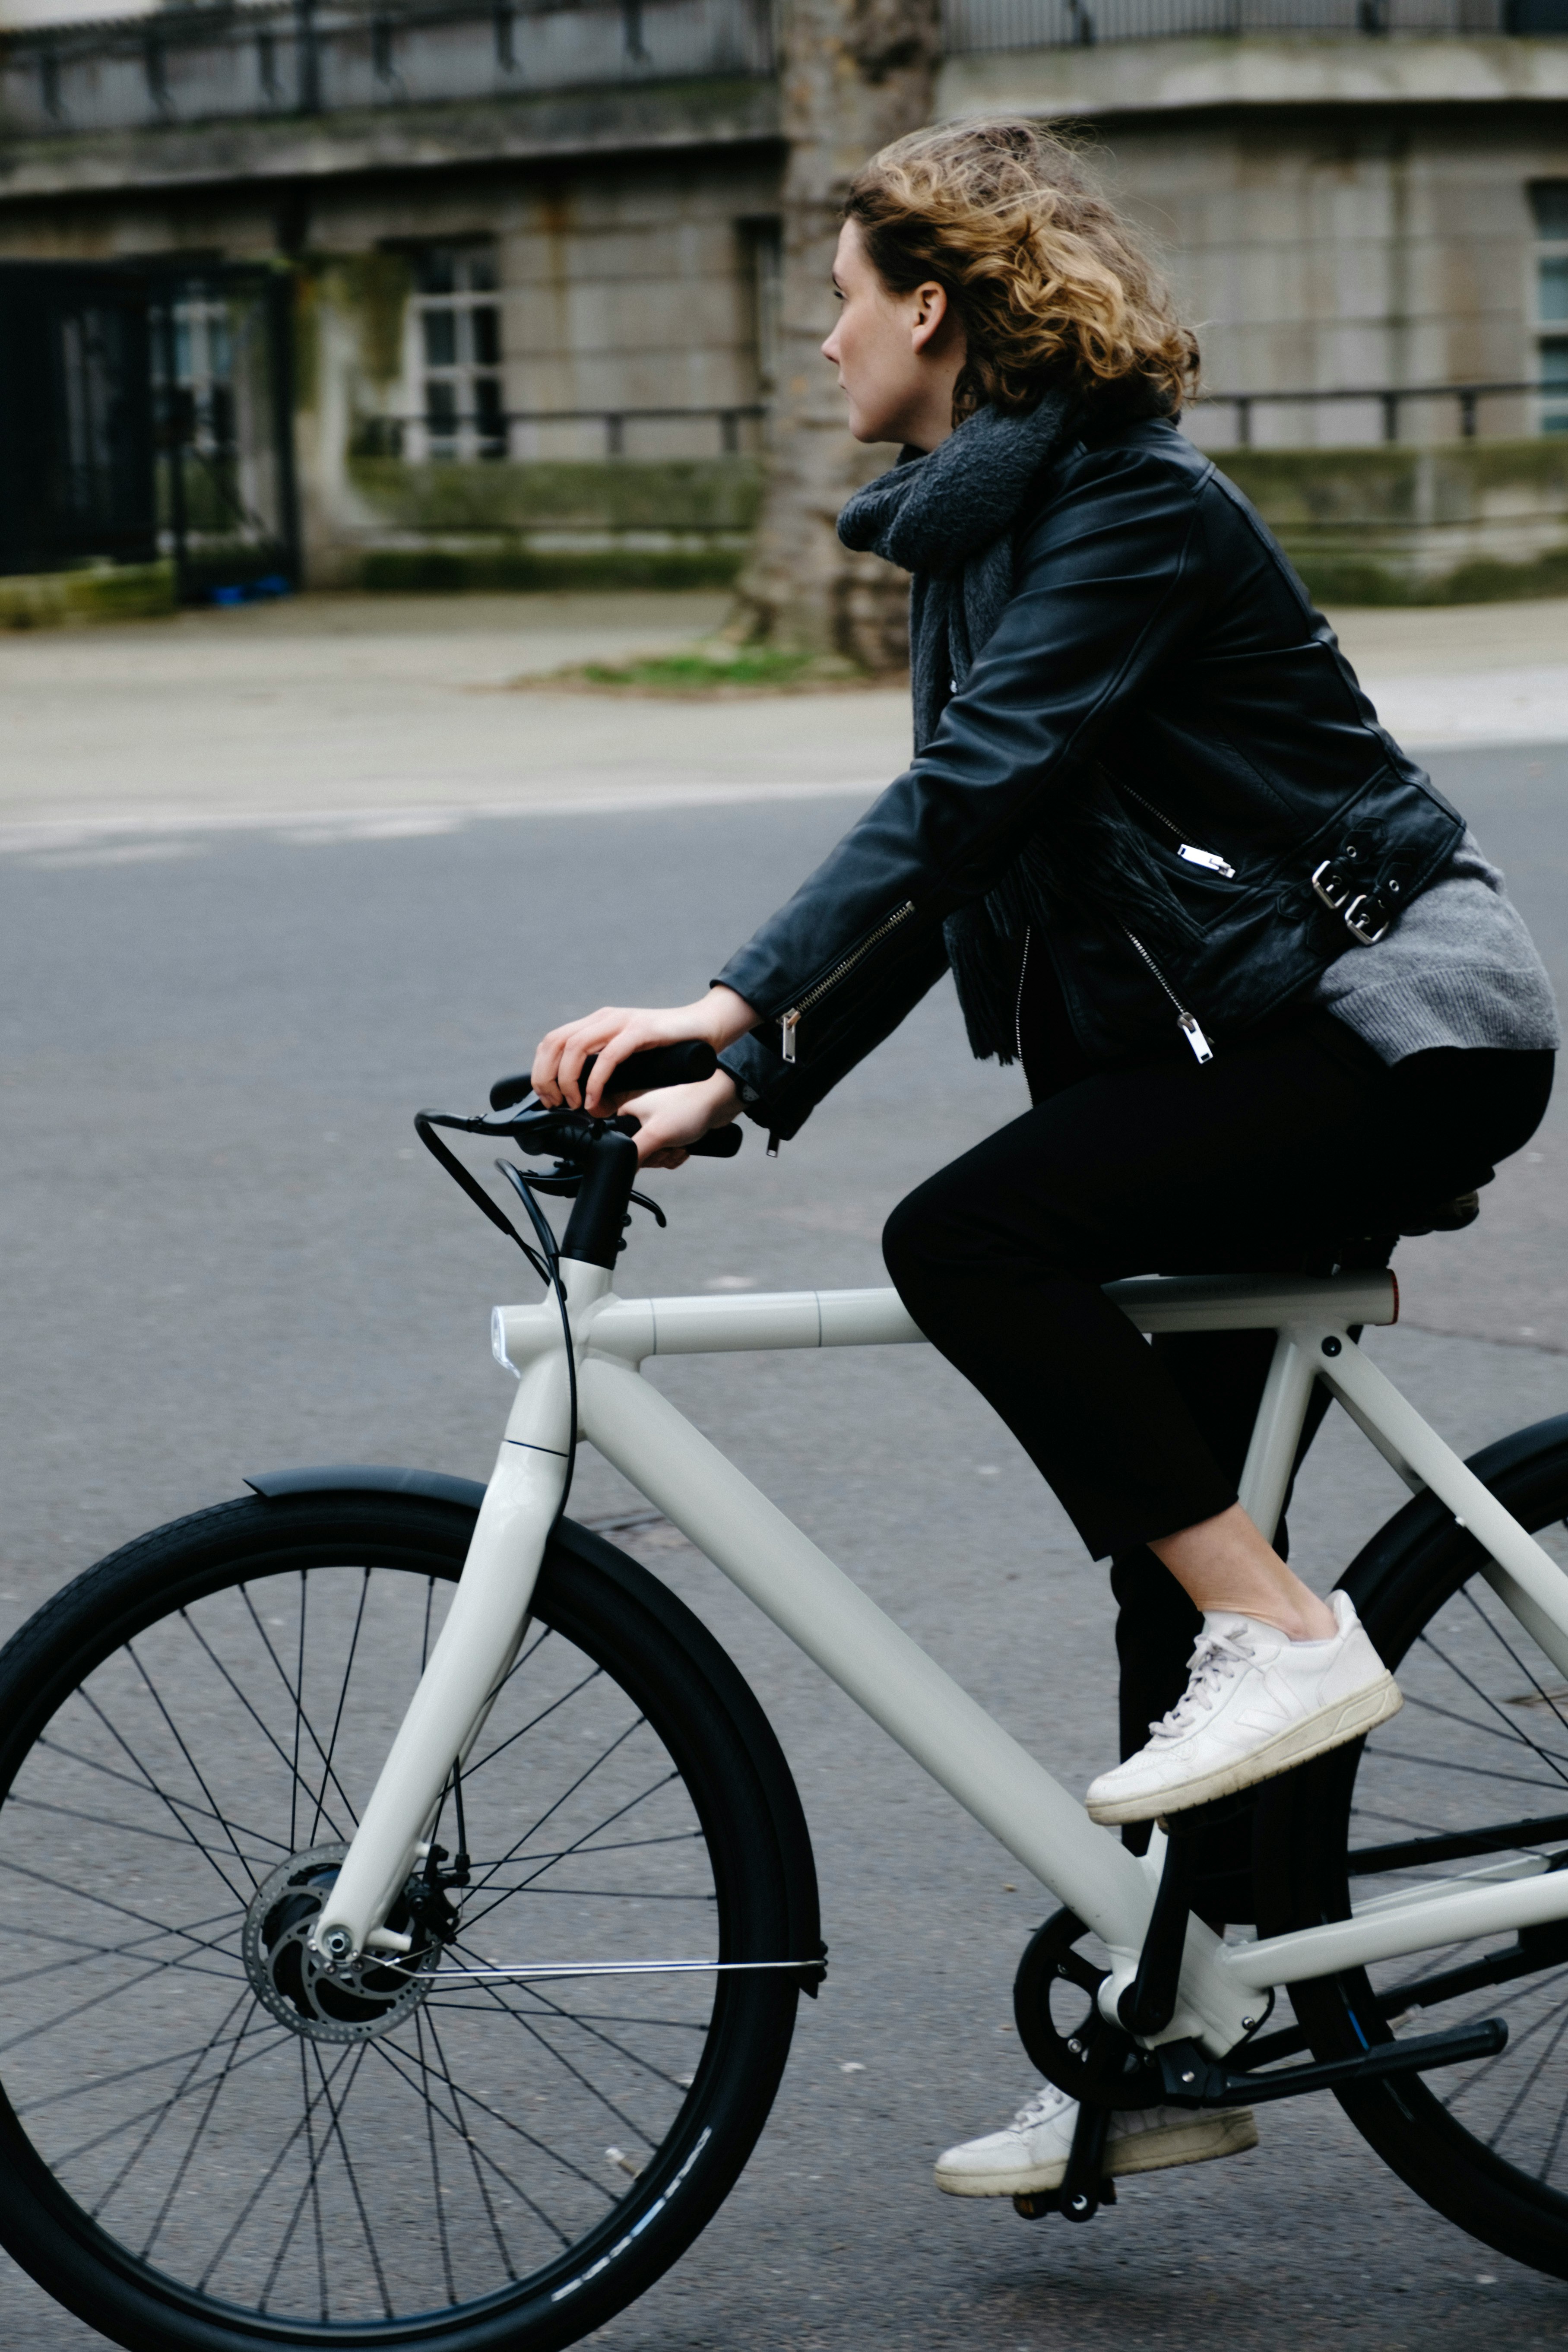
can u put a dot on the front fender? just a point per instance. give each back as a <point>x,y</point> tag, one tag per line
<point>369,1478</point>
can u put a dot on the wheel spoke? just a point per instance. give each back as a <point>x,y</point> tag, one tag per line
<point>437,2194</point>
<point>470,1770</point>
<point>299,1786</point>
<point>1511,1730</point>
<point>145,1787</point>
<point>196,1771</point>
<point>207,1854</point>
<point>335,2111</point>
<point>306,2124</point>
<point>342,1702</point>
<point>1453,1764</point>
<point>632,1802</point>
<point>561,2236</point>
<point>129,2123</point>
<point>133,1829</point>
<point>480,2184</point>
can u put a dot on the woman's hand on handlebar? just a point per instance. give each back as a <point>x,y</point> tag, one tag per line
<point>617,1030</point>
<point>674,1117</point>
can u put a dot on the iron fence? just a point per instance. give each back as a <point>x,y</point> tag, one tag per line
<point>974,26</point>
<point>1390,402</point>
<point>494,433</point>
<point>147,410</point>
<point>290,57</point>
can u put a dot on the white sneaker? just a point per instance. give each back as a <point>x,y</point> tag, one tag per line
<point>1032,2153</point>
<point>1256,1703</point>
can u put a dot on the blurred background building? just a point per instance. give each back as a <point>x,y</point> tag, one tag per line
<point>452,291</point>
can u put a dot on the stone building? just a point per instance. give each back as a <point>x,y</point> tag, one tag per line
<point>535,251</point>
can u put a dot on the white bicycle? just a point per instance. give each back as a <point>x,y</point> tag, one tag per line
<point>409,1902</point>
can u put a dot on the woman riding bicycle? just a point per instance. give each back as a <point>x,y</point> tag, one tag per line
<point>1271,1002</point>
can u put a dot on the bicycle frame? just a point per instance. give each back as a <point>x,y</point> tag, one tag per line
<point>1224,1987</point>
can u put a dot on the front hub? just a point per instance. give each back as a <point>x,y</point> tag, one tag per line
<point>365,1997</point>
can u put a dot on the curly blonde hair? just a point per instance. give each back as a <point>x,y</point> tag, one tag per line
<point>1051,286</point>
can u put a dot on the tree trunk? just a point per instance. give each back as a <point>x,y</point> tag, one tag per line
<point>854,74</point>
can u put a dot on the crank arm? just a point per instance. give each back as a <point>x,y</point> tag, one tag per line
<point>1189,2079</point>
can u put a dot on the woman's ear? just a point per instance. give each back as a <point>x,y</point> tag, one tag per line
<point>930,309</point>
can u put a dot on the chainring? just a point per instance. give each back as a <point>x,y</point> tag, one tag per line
<point>1056,2002</point>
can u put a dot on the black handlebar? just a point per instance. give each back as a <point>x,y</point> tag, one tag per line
<point>684,1065</point>
<point>719,1143</point>
<point>596,1160</point>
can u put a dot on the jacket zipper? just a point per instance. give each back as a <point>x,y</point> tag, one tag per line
<point>1207,858</point>
<point>1018,1007</point>
<point>1186,1021</point>
<point>790,1022</point>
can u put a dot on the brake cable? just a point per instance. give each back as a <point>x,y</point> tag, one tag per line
<point>547,1268</point>
<point>425,1125</point>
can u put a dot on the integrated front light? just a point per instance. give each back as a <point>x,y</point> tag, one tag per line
<point>498,1342</point>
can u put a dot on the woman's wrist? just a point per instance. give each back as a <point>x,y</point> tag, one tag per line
<point>725,1016</point>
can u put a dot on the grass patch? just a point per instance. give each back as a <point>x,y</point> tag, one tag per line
<point>706,672</point>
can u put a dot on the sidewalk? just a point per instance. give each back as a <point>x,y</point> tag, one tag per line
<point>357,716</point>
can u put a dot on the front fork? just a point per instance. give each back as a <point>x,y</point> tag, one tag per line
<point>475,1651</point>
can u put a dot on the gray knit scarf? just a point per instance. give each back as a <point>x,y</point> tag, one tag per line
<point>949,518</point>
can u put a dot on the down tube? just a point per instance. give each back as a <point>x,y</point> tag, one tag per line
<point>887,1674</point>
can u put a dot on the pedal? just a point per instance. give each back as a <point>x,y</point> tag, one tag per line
<point>1035,2204</point>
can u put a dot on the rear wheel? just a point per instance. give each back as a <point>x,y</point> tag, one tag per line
<point>204,2142</point>
<point>1472,1775</point>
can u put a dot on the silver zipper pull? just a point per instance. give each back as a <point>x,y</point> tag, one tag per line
<point>789,1022</point>
<point>1207,858</point>
<point>1187,1024</point>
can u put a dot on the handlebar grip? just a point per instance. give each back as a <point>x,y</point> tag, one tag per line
<point>719,1143</point>
<point>661,1065</point>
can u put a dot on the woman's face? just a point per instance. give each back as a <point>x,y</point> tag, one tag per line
<point>898,355</point>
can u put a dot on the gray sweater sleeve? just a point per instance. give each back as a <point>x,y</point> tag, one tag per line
<point>1457,969</point>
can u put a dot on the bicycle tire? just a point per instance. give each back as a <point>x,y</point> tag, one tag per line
<point>1485,2144</point>
<point>146,1752</point>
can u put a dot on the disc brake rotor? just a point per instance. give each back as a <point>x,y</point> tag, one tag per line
<point>369,1996</point>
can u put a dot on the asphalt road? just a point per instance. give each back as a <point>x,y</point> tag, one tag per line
<point>224,1251</point>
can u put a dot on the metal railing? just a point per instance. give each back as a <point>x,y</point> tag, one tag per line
<point>971,28</point>
<point>290,58</point>
<point>1389,400</point>
<point>493,434</point>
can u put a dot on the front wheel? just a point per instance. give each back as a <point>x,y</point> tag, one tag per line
<point>205,2145</point>
<point>1471,1776</point>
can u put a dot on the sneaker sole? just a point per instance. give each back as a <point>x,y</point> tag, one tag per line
<point>1230,2133</point>
<point>1328,1727</point>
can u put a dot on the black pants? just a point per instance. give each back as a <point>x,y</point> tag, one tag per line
<point>1289,1154</point>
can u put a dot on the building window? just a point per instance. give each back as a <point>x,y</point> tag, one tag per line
<point>203,371</point>
<point>1549,202</point>
<point>455,361</point>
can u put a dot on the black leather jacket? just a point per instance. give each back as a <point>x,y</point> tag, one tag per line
<point>1161,756</point>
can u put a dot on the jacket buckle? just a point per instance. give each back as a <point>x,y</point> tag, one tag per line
<point>1367,914</point>
<point>1333,886</point>
<point>1368,918</point>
